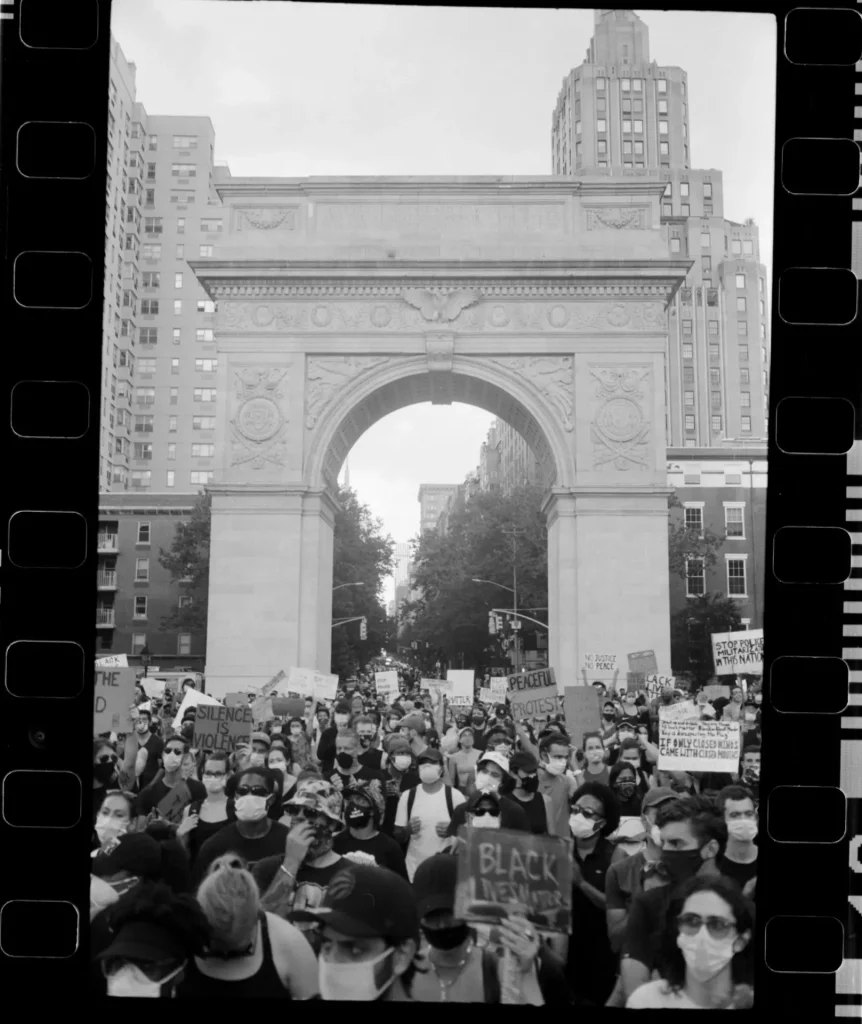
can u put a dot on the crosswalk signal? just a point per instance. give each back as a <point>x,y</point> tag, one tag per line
<point>492,623</point>
<point>363,630</point>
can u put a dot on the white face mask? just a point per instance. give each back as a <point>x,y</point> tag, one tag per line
<point>250,808</point>
<point>581,828</point>
<point>486,783</point>
<point>744,830</point>
<point>215,785</point>
<point>485,821</point>
<point>402,762</point>
<point>172,762</point>
<point>109,828</point>
<point>256,760</point>
<point>278,766</point>
<point>351,982</point>
<point>555,766</point>
<point>130,980</point>
<point>595,756</point>
<point>429,773</point>
<point>704,955</point>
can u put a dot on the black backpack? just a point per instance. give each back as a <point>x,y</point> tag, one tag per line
<point>411,799</point>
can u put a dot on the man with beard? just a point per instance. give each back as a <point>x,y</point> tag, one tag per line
<point>296,880</point>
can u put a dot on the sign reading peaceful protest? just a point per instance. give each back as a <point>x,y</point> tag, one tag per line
<point>643,661</point>
<point>114,696</point>
<point>699,746</point>
<point>462,680</point>
<point>386,684</point>
<point>603,663</point>
<point>500,872</point>
<point>738,652</point>
<point>219,728</point>
<point>583,708</point>
<point>532,694</point>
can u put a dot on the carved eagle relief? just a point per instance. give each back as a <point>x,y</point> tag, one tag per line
<point>439,305</point>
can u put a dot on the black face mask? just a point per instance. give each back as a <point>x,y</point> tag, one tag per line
<point>479,722</point>
<point>357,816</point>
<point>531,784</point>
<point>365,741</point>
<point>344,761</point>
<point>103,772</point>
<point>447,938</point>
<point>680,865</point>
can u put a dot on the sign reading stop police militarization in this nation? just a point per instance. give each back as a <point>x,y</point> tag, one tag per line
<point>532,694</point>
<point>503,872</point>
<point>734,653</point>
<point>218,728</point>
<point>687,745</point>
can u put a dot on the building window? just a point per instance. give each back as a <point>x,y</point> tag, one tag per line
<point>714,377</point>
<point>716,399</point>
<point>688,375</point>
<point>203,423</point>
<point>143,424</point>
<point>152,279</point>
<point>763,336</point>
<point>745,399</point>
<point>177,336</point>
<point>180,253</point>
<point>626,84</point>
<point>600,84</point>
<point>627,148</point>
<point>689,398</point>
<point>675,245</point>
<point>714,353</point>
<point>143,533</point>
<point>602,146</point>
<point>743,353</point>
<point>736,577</point>
<point>204,394</point>
<point>201,476</point>
<point>740,281</point>
<point>175,366</point>
<point>639,149</point>
<point>146,365</point>
<point>639,127</point>
<point>707,190</point>
<point>152,225</point>
<point>143,451</point>
<point>662,106</point>
<point>203,451</point>
<point>694,519</point>
<point>142,570</point>
<point>695,577</point>
<point>704,239</point>
<point>172,451</point>
<point>664,149</point>
<point>183,171</point>
<point>172,424</point>
<point>170,477</point>
<point>207,250</point>
<point>685,210</point>
<point>181,225</point>
<point>687,350</point>
<point>149,307</point>
<point>211,224</point>
<point>145,396</point>
<point>707,209</point>
<point>601,104</point>
<point>627,127</point>
<point>735,247</point>
<point>151,172</point>
<point>686,326</point>
<point>206,365</point>
<point>184,643</point>
<point>747,247</point>
<point>204,334</point>
<point>734,522</point>
<point>712,327</point>
<point>689,422</point>
<point>662,127</point>
<point>185,142</point>
<point>601,125</point>
<point>740,304</point>
<point>744,376</point>
<point>140,606</point>
<point>178,307</point>
<point>150,197</point>
<point>173,396</point>
<point>742,326</point>
<point>667,211</point>
<point>178,280</point>
<point>746,424</point>
<point>716,424</point>
<point>762,308</point>
<point>139,642</point>
<point>662,85</point>
<point>151,251</point>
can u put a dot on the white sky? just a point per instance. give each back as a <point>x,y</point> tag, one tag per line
<point>309,89</point>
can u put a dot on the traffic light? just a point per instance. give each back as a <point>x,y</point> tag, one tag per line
<point>499,619</point>
<point>363,630</point>
<point>492,623</point>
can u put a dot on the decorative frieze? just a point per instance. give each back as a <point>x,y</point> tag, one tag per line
<point>619,218</point>
<point>552,375</point>
<point>325,377</point>
<point>258,426</point>
<point>266,218</point>
<point>620,429</point>
<point>522,289</point>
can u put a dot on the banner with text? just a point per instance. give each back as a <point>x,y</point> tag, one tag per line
<point>462,680</point>
<point>532,694</point>
<point>113,661</point>
<point>300,682</point>
<point>605,664</point>
<point>386,684</point>
<point>219,728</point>
<point>656,683</point>
<point>583,709</point>
<point>272,684</point>
<point>114,696</point>
<point>685,710</point>
<point>734,653</point>
<point>325,686</point>
<point>699,746</point>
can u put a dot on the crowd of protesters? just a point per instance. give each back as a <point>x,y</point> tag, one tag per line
<point>317,861</point>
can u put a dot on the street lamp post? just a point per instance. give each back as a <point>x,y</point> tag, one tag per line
<point>146,658</point>
<point>514,533</point>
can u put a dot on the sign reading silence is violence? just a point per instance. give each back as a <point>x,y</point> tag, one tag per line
<point>219,728</point>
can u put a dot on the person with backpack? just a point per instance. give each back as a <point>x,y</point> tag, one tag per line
<point>425,811</point>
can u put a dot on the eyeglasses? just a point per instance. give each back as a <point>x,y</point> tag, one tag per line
<point>252,791</point>
<point>588,814</point>
<point>106,759</point>
<point>493,811</point>
<point>308,813</point>
<point>718,927</point>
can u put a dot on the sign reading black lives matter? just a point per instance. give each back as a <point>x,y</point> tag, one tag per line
<point>218,728</point>
<point>503,872</point>
<point>738,652</point>
<point>533,694</point>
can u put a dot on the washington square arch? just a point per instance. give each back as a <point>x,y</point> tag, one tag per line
<point>542,300</point>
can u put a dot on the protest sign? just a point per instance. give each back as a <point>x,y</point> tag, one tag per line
<point>605,663</point>
<point>716,690</point>
<point>583,708</point>
<point>738,652</point>
<point>461,702</point>
<point>191,700</point>
<point>386,684</point>
<point>486,695</point>
<point>174,803</point>
<point>218,728</point>
<point>325,686</point>
<point>462,680</point>
<point>236,700</point>
<point>262,710</point>
<point>685,710</point>
<point>114,696</point>
<point>699,746</point>
<point>655,684</point>
<point>643,661</point>
<point>443,685</point>
<point>501,871</point>
<point>288,707</point>
<point>300,682</point>
<point>113,661</point>
<point>498,689</point>
<point>272,684</point>
<point>532,694</point>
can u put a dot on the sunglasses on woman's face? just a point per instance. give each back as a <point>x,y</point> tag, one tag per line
<point>718,927</point>
<point>493,811</point>
<point>307,813</point>
<point>587,813</point>
<point>106,759</point>
<point>252,791</point>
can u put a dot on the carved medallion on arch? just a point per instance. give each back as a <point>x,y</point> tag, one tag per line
<point>259,424</point>
<point>620,428</point>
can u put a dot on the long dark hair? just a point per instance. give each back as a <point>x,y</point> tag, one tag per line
<point>671,962</point>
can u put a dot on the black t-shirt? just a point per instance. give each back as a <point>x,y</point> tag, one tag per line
<point>154,747</point>
<point>371,758</point>
<point>151,797</point>
<point>385,851</point>
<point>326,746</point>
<point>740,873</point>
<point>344,783</point>
<point>308,892</point>
<point>536,812</point>
<point>591,964</point>
<point>393,788</point>
<point>512,816</point>
<point>229,840</point>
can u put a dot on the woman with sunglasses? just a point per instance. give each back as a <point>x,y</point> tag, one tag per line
<point>105,771</point>
<point>705,956</point>
<point>253,835</point>
<point>203,818</point>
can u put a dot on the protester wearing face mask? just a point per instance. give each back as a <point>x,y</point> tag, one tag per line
<point>500,741</point>
<point>739,859</point>
<point>704,957</point>
<point>400,775</point>
<point>147,766</point>
<point>249,954</point>
<point>348,772</point>
<point>326,746</point>
<point>590,961</point>
<point>424,813</point>
<point>459,969</point>
<point>555,783</point>
<point>254,835</point>
<point>494,777</point>
<point>369,756</point>
<point>536,805</point>
<point>278,761</point>
<point>300,744</point>
<point>154,934</point>
<point>595,769</point>
<point>296,879</point>
<point>115,819</point>
<point>462,763</point>
<point>633,751</point>
<point>610,718</point>
<point>167,797</point>
<point>750,769</point>
<point>362,841</point>
<point>477,721</point>
<point>203,818</point>
<point>624,783</point>
<point>692,837</point>
<point>105,772</point>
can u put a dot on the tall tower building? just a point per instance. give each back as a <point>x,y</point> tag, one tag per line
<point>620,114</point>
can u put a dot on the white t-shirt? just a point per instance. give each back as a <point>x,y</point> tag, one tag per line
<point>429,808</point>
<point>655,995</point>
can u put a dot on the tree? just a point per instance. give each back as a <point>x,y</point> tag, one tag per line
<point>691,631</point>
<point>188,562</point>
<point>685,543</point>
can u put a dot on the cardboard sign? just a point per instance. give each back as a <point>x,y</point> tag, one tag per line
<point>684,711</point>
<point>699,746</point>
<point>655,684</point>
<point>738,652</point>
<point>288,707</point>
<point>583,708</point>
<point>218,728</point>
<point>499,688</point>
<point>500,872</point>
<point>462,680</point>
<point>262,710</point>
<point>300,681</point>
<point>606,663</point>
<point>236,700</point>
<point>325,686</point>
<point>113,661</point>
<point>114,696</point>
<point>461,702</point>
<point>174,803</point>
<point>191,700</point>
<point>272,684</point>
<point>443,685</point>
<point>532,694</point>
<point>716,690</point>
<point>386,684</point>
<point>643,661</point>
<point>486,695</point>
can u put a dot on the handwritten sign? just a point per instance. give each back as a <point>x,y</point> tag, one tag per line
<point>113,661</point>
<point>461,702</point>
<point>325,686</point>
<point>462,680</point>
<point>498,689</point>
<point>441,685</point>
<point>686,709</point>
<point>300,682</point>
<point>386,684</point>
<point>699,746</point>
<point>738,652</point>
<point>218,728</point>
<point>486,695</point>
<point>114,696</point>
<point>272,684</point>
<point>262,710</point>
<point>174,803</point>
<point>606,663</point>
<point>656,683</point>
<point>501,872</point>
<point>643,661</point>
<point>716,690</point>
<point>583,707</point>
<point>532,694</point>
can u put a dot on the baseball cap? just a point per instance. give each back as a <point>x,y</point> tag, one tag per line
<point>261,737</point>
<point>416,722</point>
<point>144,941</point>
<point>657,796</point>
<point>523,762</point>
<point>367,901</point>
<point>430,755</point>
<point>434,884</point>
<point>320,796</point>
<point>497,758</point>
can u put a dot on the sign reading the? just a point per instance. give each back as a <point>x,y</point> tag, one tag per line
<point>219,728</point>
<point>583,707</point>
<point>738,652</point>
<point>605,663</point>
<point>114,696</point>
<point>501,872</point>
<point>533,694</point>
<point>699,746</point>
